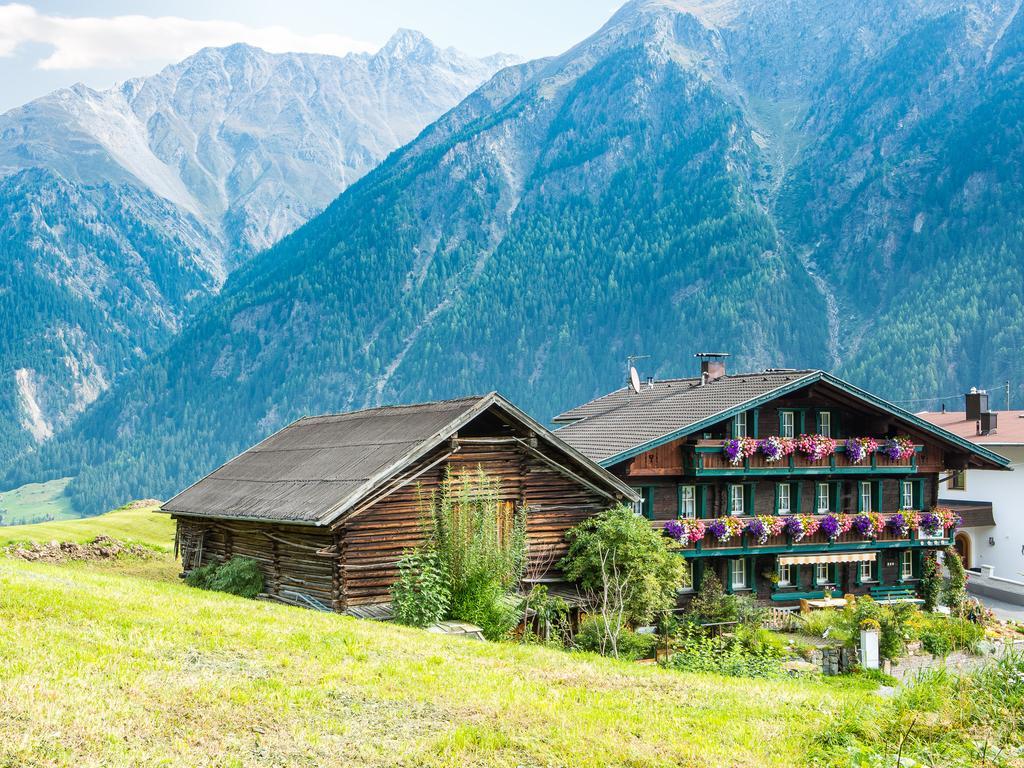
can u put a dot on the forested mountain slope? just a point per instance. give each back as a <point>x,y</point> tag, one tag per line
<point>798,183</point>
<point>127,207</point>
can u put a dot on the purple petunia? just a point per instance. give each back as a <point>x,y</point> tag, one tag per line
<point>931,524</point>
<point>674,529</point>
<point>719,530</point>
<point>831,526</point>
<point>758,530</point>
<point>898,524</point>
<point>862,524</point>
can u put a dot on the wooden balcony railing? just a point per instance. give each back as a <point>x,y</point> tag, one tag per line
<point>707,458</point>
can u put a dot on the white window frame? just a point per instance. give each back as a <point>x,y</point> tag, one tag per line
<point>737,509</point>
<point>865,571</point>
<point>958,481</point>
<point>825,423</point>
<point>688,565</point>
<point>784,493</point>
<point>866,501</point>
<point>818,580</point>
<point>907,564</point>
<point>907,494</point>
<point>739,424</point>
<point>821,506</point>
<point>688,502</point>
<point>787,430</point>
<point>733,583</point>
<point>785,575</point>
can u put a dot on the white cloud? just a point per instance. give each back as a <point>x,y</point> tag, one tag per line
<point>87,42</point>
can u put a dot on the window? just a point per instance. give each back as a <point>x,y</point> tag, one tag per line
<point>865,497</point>
<point>825,423</point>
<point>785,575</point>
<point>958,481</point>
<point>738,573</point>
<point>866,572</point>
<point>786,428</point>
<point>739,425</point>
<point>821,574</point>
<point>906,494</point>
<point>823,494</point>
<point>907,564</point>
<point>688,585</point>
<point>645,506</point>
<point>736,499</point>
<point>783,494</point>
<point>688,501</point>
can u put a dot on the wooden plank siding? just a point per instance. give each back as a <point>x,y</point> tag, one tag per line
<point>355,562</point>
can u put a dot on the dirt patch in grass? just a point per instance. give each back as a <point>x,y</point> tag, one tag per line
<point>100,548</point>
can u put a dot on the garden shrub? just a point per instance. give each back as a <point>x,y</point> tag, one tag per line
<point>711,605</point>
<point>421,596</point>
<point>200,577</point>
<point>956,586</point>
<point>942,635</point>
<point>695,651</point>
<point>472,560</point>
<point>931,582</point>
<point>239,576</point>
<point>591,636</point>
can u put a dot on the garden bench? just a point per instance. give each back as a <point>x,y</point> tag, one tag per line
<point>790,597</point>
<point>895,594</point>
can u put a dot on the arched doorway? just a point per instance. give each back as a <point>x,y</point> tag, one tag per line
<point>962,544</point>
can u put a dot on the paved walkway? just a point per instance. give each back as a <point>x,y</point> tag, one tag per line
<point>1003,610</point>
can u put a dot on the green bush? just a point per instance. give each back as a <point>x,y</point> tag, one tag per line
<point>695,651</point>
<point>942,635</point>
<point>421,596</point>
<point>471,563</point>
<point>931,581</point>
<point>956,586</point>
<point>201,577</point>
<point>711,604</point>
<point>238,576</point>
<point>592,637</point>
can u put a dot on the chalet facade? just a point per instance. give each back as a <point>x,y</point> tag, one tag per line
<point>329,504</point>
<point>788,484</point>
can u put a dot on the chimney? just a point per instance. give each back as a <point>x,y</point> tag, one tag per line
<point>712,365</point>
<point>977,403</point>
<point>987,423</point>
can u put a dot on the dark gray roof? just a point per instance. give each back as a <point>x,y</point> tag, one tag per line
<point>315,469</point>
<point>623,420</point>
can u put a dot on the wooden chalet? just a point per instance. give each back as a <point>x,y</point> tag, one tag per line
<point>329,504</point>
<point>759,521</point>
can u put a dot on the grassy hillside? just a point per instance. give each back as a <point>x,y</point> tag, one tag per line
<point>134,524</point>
<point>34,501</point>
<point>104,669</point>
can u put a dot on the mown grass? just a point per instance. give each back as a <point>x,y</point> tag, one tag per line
<point>105,669</point>
<point>131,524</point>
<point>34,500</point>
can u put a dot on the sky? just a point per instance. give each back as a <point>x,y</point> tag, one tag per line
<point>48,45</point>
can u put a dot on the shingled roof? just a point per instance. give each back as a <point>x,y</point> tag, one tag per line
<point>315,469</point>
<point>623,420</point>
<point>624,423</point>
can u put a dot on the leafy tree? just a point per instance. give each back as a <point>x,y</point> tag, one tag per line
<point>421,595</point>
<point>628,570</point>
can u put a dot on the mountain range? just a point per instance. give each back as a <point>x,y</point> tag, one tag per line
<point>128,208</point>
<point>800,183</point>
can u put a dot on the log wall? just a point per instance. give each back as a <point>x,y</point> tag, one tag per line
<point>355,563</point>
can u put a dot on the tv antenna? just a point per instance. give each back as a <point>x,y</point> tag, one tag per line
<point>634,377</point>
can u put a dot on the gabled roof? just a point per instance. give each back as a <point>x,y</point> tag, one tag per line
<point>623,424</point>
<point>314,470</point>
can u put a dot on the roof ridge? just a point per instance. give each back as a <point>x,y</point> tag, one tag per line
<point>398,406</point>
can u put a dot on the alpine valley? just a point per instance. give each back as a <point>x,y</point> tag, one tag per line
<point>801,183</point>
<point>125,210</point>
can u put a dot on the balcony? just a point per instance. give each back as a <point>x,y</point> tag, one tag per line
<point>707,459</point>
<point>796,533</point>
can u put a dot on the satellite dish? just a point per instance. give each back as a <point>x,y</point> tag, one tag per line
<point>634,380</point>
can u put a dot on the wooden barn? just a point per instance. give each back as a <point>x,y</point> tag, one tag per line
<point>328,505</point>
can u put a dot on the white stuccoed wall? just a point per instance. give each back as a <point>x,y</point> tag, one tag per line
<point>1006,492</point>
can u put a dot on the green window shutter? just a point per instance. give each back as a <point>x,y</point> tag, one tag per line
<point>698,573</point>
<point>918,488</point>
<point>750,494</point>
<point>777,487</point>
<point>702,500</point>
<point>877,495</point>
<point>833,501</point>
<point>754,433</point>
<point>750,575</point>
<point>795,494</point>
<point>800,421</point>
<point>648,506</point>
